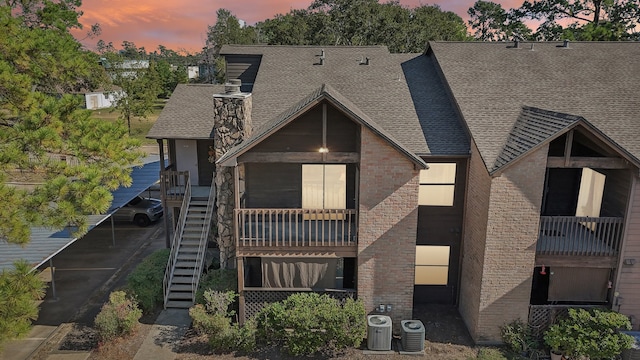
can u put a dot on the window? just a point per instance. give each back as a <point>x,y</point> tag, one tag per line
<point>432,265</point>
<point>437,184</point>
<point>324,186</point>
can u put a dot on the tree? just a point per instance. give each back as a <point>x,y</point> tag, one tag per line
<point>226,30</point>
<point>139,87</point>
<point>491,22</point>
<point>40,66</point>
<point>363,22</point>
<point>584,19</point>
<point>20,289</point>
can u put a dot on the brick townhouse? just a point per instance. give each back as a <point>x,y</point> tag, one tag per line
<point>495,177</point>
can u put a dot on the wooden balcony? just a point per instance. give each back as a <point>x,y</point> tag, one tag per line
<point>173,184</point>
<point>296,232</point>
<point>588,240</point>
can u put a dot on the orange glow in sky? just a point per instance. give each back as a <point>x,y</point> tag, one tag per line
<point>182,24</point>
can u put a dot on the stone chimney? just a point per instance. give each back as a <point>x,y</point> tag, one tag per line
<point>231,125</point>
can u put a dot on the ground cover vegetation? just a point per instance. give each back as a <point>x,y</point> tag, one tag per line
<point>144,283</point>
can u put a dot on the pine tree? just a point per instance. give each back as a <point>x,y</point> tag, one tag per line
<point>46,138</point>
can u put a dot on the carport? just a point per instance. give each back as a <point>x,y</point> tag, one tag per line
<point>46,243</point>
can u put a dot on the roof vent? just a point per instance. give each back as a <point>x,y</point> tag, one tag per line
<point>516,44</point>
<point>531,47</point>
<point>232,87</point>
<point>565,44</point>
<point>364,61</point>
<point>321,58</point>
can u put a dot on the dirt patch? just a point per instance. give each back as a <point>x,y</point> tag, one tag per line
<point>80,338</point>
<point>122,348</point>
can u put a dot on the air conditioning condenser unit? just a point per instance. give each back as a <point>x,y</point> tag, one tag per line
<point>379,332</point>
<point>412,335</point>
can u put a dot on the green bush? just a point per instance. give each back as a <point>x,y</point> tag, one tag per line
<point>20,289</point>
<point>306,323</point>
<point>590,334</point>
<point>118,317</point>
<point>518,338</point>
<point>145,281</point>
<point>221,280</point>
<point>213,318</point>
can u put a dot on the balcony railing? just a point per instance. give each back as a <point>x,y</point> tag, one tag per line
<point>296,227</point>
<point>173,184</point>
<point>580,235</point>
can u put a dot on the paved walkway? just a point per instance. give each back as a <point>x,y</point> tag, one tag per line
<point>168,329</point>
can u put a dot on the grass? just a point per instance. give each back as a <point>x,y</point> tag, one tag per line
<point>139,126</point>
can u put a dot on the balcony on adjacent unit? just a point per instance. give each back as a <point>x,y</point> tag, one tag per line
<point>579,236</point>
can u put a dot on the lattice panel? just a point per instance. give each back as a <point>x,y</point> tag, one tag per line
<point>254,301</point>
<point>543,316</point>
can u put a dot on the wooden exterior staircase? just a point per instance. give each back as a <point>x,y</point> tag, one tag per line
<point>188,250</point>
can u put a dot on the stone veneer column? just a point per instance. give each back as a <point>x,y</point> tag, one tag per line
<point>232,124</point>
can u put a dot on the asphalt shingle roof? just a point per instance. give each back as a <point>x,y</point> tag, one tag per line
<point>533,127</point>
<point>401,93</point>
<point>492,82</point>
<point>337,99</point>
<point>389,90</point>
<point>188,114</point>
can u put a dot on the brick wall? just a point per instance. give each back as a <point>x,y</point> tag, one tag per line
<point>628,285</point>
<point>510,248</point>
<point>501,231</point>
<point>473,244</point>
<point>387,228</point>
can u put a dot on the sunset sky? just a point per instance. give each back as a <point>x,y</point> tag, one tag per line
<point>182,24</point>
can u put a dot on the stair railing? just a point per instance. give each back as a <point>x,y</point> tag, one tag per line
<point>177,237</point>
<point>202,246</point>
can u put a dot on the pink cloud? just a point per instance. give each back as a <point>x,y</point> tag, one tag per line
<point>182,24</point>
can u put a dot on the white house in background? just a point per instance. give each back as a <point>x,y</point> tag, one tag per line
<point>193,72</point>
<point>101,98</point>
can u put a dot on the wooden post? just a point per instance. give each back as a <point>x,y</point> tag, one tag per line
<point>241,311</point>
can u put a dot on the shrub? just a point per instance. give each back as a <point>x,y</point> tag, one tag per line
<point>145,281</point>
<point>221,280</point>
<point>118,317</point>
<point>518,338</point>
<point>213,319</point>
<point>19,291</point>
<point>591,334</point>
<point>307,323</point>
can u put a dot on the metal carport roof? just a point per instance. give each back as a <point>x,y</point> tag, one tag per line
<point>45,243</point>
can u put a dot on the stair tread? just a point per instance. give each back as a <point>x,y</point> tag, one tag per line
<point>180,295</point>
<point>179,304</point>
<point>182,280</point>
<point>180,287</point>
<point>183,272</point>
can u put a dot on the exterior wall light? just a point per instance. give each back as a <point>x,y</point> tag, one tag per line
<point>323,150</point>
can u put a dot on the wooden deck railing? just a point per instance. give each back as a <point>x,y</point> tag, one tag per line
<point>580,235</point>
<point>173,184</point>
<point>296,227</point>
